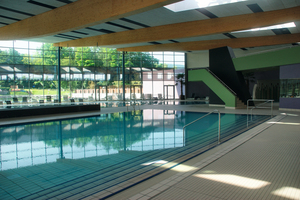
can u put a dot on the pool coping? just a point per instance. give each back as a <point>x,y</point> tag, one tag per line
<point>52,117</point>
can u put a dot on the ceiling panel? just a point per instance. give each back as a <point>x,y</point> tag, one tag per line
<point>3,19</point>
<point>130,23</point>
<point>108,27</point>
<point>22,6</point>
<point>52,2</point>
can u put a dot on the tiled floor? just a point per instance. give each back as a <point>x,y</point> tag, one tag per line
<point>265,167</point>
<point>259,164</point>
<point>262,163</point>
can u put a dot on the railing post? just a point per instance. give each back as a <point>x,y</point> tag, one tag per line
<point>248,112</point>
<point>219,130</point>
<point>258,106</point>
<point>272,108</point>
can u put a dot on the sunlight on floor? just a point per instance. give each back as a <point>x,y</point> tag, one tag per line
<point>155,162</point>
<point>235,180</point>
<point>293,115</point>
<point>284,123</point>
<point>166,164</point>
<point>288,192</point>
<point>180,168</point>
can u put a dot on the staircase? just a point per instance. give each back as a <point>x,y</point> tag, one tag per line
<point>240,104</point>
<point>228,96</point>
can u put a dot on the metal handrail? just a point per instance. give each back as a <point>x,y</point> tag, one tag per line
<point>219,129</point>
<point>221,81</point>
<point>259,105</point>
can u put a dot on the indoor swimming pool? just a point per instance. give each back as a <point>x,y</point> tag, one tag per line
<point>76,158</point>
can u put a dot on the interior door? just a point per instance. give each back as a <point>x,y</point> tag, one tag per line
<point>169,92</point>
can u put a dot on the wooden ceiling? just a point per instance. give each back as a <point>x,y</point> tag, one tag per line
<point>145,25</point>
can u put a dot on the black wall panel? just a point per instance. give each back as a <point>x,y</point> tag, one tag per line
<point>198,89</point>
<point>221,64</point>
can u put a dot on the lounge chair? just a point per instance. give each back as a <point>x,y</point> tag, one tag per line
<point>24,100</point>
<point>48,98</point>
<point>8,104</point>
<point>15,100</point>
<point>72,101</point>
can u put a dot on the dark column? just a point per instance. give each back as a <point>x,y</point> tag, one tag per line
<point>123,69</point>
<point>186,77</point>
<point>59,75</point>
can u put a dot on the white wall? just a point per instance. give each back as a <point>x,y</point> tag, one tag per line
<point>197,59</point>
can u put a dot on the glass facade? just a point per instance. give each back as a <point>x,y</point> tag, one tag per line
<point>290,88</point>
<point>29,72</point>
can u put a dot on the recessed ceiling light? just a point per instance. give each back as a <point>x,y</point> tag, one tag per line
<point>194,4</point>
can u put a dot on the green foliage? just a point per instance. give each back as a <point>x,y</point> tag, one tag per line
<point>99,59</point>
<point>3,88</point>
<point>7,83</point>
<point>11,56</point>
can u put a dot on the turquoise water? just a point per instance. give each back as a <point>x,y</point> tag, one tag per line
<point>39,157</point>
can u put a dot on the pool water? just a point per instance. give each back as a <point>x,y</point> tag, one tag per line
<point>105,151</point>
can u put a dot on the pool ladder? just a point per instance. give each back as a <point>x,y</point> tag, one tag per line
<point>219,128</point>
<point>265,101</point>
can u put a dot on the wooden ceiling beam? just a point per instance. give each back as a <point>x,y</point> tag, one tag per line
<point>211,44</point>
<point>77,15</point>
<point>190,29</point>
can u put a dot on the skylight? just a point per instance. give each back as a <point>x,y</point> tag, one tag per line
<point>195,4</point>
<point>286,25</point>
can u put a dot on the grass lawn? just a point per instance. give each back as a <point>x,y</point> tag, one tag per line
<point>47,92</point>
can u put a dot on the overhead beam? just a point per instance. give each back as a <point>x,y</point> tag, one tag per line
<point>211,44</point>
<point>77,15</point>
<point>190,29</point>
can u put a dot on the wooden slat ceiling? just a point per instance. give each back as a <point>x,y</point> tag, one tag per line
<point>145,25</point>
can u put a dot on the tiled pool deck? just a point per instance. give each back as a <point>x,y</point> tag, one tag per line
<point>262,163</point>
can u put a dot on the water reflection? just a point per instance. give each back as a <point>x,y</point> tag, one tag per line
<point>38,143</point>
<point>143,131</point>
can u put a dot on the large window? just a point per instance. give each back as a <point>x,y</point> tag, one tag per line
<point>290,88</point>
<point>29,72</point>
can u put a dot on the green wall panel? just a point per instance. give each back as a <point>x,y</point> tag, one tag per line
<point>269,59</point>
<point>214,85</point>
